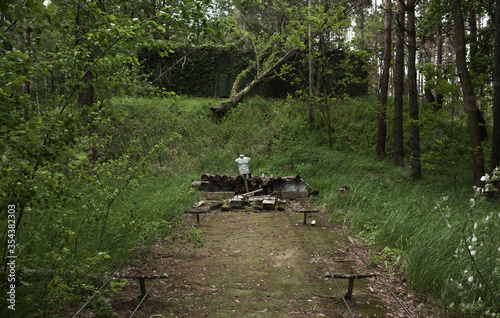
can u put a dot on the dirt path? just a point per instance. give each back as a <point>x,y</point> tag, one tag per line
<point>260,265</point>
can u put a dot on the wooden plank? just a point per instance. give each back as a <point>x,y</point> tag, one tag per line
<point>305,211</point>
<point>251,193</point>
<point>218,195</point>
<point>140,276</point>
<point>348,276</point>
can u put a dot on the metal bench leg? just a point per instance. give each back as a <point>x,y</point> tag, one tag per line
<point>349,288</point>
<point>143,287</point>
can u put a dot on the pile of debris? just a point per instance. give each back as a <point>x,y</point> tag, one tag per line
<point>250,201</point>
<point>227,186</point>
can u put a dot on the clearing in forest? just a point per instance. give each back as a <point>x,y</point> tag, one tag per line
<point>259,264</point>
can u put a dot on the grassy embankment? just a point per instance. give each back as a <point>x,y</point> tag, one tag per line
<point>384,204</point>
<point>114,205</point>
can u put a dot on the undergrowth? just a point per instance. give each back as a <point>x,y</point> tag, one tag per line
<point>382,202</point>
<point>141,183</point>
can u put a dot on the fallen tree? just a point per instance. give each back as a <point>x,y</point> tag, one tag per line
<point>236,97</point>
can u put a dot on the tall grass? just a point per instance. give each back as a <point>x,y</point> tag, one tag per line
<point>383,202</point>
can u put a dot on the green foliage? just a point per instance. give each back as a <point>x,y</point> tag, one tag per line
<point>54,169</point>
<point>203,71</point>
<point>87,216</point>
<point>477,255</point>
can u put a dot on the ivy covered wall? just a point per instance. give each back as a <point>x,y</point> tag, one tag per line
<point>210,72</point>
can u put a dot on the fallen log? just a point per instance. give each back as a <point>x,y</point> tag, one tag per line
<point>220,110</point>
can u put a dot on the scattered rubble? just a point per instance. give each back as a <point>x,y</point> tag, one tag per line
<point>293,187</point>
<point>264,192</point>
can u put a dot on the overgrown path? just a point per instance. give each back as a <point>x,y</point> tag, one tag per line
<point>259,265</point>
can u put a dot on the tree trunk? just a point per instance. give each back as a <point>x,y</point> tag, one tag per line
<point>473,38</point>
<point>439,64</point>
<point>311,72</point>
<point>319,72</point>
<point>470,106</point>
<point>384,82</point>
<point>428,94</point>
<point>221,109</point>
<point>416,168</point>
<point>495,142</point>
<point>328,119</point>
<point>398,87</point>
<point>241,76</point>
<point>26,87</point>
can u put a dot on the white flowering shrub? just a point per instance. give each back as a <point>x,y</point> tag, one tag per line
<point>478,253</point>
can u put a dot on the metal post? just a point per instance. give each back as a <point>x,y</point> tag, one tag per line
<point>349,288</point>
<point>142,286</point>
<point>245,176</point>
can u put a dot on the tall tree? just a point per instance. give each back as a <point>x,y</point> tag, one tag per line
<point>495,142</point>
<point>384,82</point>
<point>439,64</point>
<point>398,146</point>
<point>470,103</point>
<point>311,67</point>
<point>416,168</point>
<point>277,30</point>
<point>26,87</point>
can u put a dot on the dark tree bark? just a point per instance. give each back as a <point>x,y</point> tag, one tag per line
<point>319,73</point>
<point>399,87</point>
<point>384,82</point>
<point>473,38</point>
<point>428,95</point>
<point>470,104</point>
<point>310,108</point>
<point>439,63</point>
<point>427,52</point>
<point>416,168</point>
<point>474,50</point>
<point>26,87</point>
<point>495,142</point>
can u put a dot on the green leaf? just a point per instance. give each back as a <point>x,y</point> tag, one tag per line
<point>82,156</point>
<point>52,9</point>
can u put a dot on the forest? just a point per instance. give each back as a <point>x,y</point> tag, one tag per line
<point>109,109</point>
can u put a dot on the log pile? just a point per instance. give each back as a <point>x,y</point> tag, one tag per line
<point>235,183</point>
